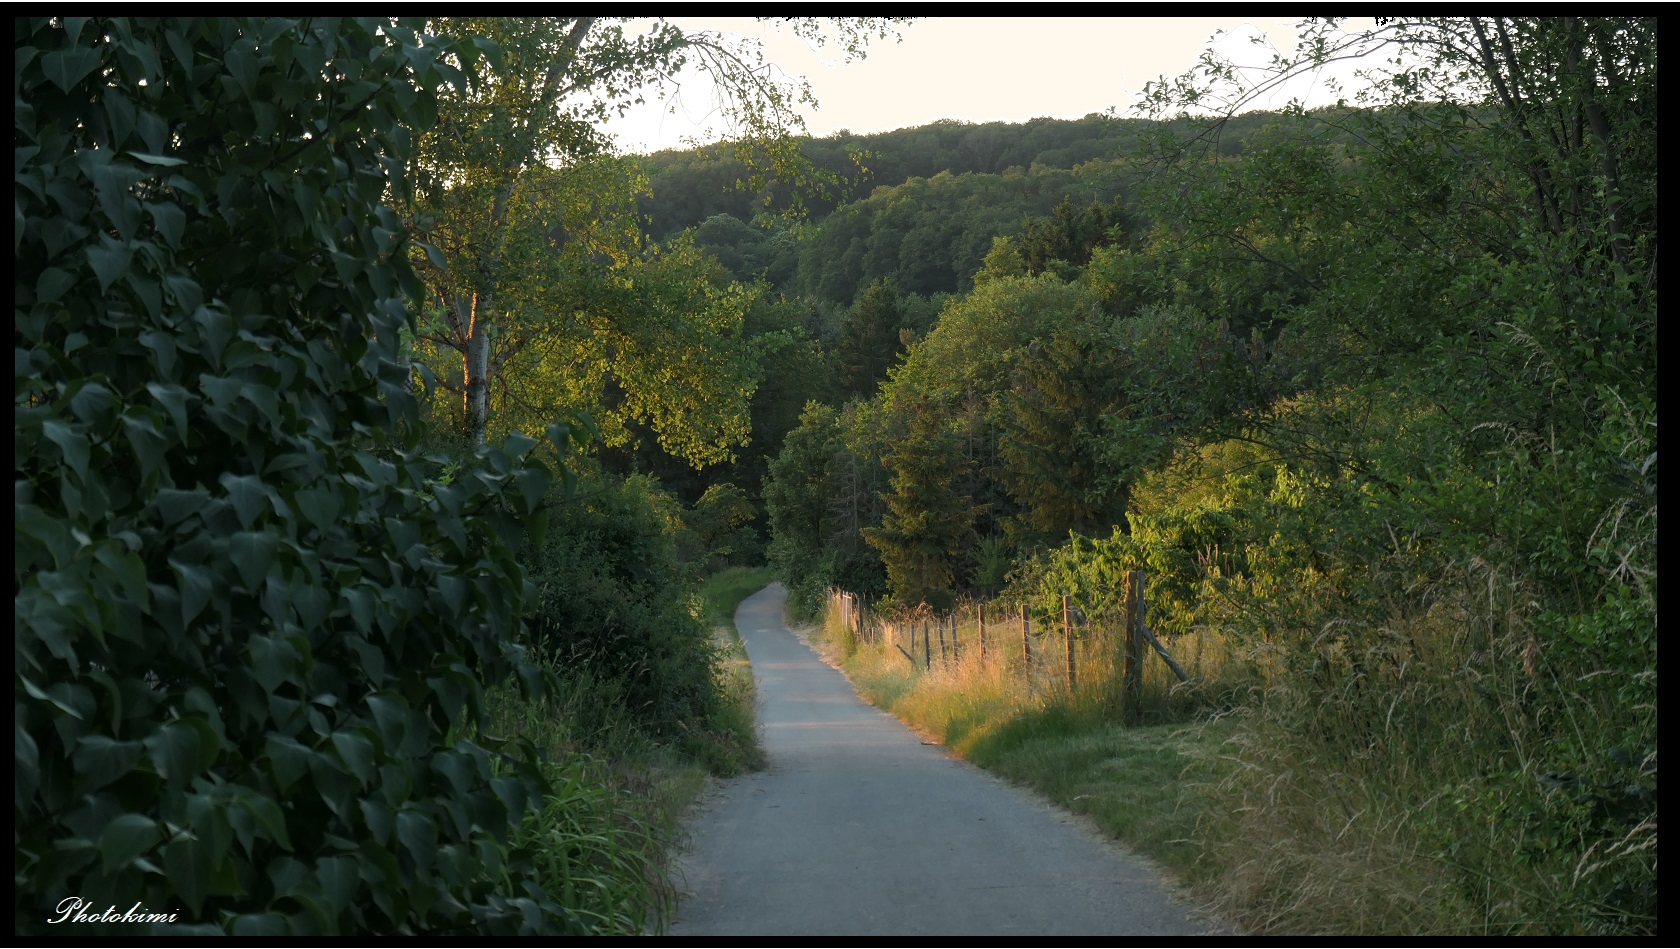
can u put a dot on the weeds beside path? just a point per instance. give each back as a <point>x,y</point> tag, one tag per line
<point>720,594</point>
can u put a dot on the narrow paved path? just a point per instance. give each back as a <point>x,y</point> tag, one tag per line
<point>858,829</point>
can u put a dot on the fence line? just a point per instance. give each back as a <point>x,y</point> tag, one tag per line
<point>1088,643</point>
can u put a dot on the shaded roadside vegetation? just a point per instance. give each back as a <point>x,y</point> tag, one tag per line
<point>621,779</point>
<point>1374,404</point>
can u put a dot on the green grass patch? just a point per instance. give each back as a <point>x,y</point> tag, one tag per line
<point>1141,784</point>
<point>722,592</point>
<point>731,745</point>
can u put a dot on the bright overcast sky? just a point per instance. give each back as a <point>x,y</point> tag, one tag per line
<point>976,69</point>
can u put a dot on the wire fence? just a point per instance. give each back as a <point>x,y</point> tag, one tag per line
<point>1066,652</point>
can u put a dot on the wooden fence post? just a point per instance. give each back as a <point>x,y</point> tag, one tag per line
<point>982,632</point>
<point>1026,640</point>
<point>1131,669</point>
<point>927,647</point>
<point>1067,635</point>
<point>956,644</point>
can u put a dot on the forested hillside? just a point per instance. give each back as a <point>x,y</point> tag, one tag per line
<point>693,185</point>
<point>843,284</point>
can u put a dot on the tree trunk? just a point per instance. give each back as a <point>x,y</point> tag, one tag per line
<point>476,374</point>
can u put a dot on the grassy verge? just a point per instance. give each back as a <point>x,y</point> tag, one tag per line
<point>601,841</point>
<point>720,595</point>
<point>722,592</point>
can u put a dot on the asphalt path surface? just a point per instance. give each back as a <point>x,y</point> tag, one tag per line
<point>857,828</point>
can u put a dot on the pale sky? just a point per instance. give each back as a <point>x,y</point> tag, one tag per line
<point>975,69</point>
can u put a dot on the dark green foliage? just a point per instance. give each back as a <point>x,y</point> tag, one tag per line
<point>821,491</point>
<point>251,637</point>
<point>722,523</point>
<point>871,342</point>
<point>930,235</point>
<point>782,333</point>
<point>928,523</point>
<point>1065,238</point>
<point>1049,422</point>
<point>796,494</point>
<point>746,251</point>
<point>692,186</point>
<point>612,605</point>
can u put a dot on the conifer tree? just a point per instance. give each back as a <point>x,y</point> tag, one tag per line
<point>927,524</point>
<point>1049,420</point>
<point>870,341</point>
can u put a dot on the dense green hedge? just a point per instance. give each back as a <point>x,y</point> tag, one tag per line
<point>250,638</point>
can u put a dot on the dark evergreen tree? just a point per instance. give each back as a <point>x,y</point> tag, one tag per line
<point>1069,234</point>
<point>928,525</point>
<point>1050,423</point>
<point>870,342</point>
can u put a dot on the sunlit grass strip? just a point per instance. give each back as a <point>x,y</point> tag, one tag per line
<point>722,592</point>
<point>1143,785</point>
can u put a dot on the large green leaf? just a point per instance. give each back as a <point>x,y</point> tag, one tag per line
<point>176,752</point>
<point>126,837</point>
<point>67,67</point>
<point>248,494</point>
<point>190,864</point>
<point>252,554</point>
<point>72,443</point>
<point>100,760</point>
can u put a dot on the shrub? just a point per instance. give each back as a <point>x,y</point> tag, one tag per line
<point>612,605</point>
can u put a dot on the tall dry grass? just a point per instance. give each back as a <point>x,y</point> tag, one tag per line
<point>936,670</point>
<point>1432,777</point>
